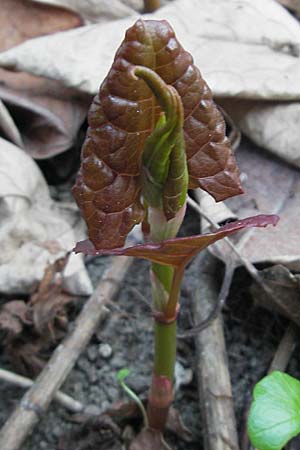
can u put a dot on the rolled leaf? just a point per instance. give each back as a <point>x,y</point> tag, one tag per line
<point>178,252</point>
<point>164,169</point>
<point>122,117</point>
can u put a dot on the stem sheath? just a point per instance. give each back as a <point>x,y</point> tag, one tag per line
<point>161,391</point>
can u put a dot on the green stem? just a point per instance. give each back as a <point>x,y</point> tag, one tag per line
<point>164,349</point>
<point>161,391</point>
<point>137,400</point>
<point>171,308</point>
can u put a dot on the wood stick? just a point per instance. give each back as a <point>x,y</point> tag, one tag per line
<point>36,401</point>
<point>285,349</point>
<point>24,382</point>
<point>151,5</point>
<point>215,392</point>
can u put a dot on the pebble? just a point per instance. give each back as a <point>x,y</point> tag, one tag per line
<point>92,410</point>
<point>183,376</point>
<point>56,431</point>
<point>92,375</point>
<point>105,351</point>
<point>119,362</point>
<point>83,365</point>
<point>92,353</point>
<point>138,383</point>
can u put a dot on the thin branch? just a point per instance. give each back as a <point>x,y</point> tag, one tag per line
<point>63,399</point>
<point>244,261</point>
<point>217,308</point>
<point>215,393</point>
<point>285,349</point>
<point>36,401</point>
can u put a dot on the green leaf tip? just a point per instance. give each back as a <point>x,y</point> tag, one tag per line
<point>164,166</point>
<point>274,416</point>
<point>122,374</point>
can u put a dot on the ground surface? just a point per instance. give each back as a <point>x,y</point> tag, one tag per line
<point>252,336</point>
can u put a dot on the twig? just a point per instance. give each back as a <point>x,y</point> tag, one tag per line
<point>245,262</point>
<point>63,399</point>
<point>216,309</point>
<point>285,349</point>
<point>215,396</point>
<point>36,401</point>
<point>151,5</point>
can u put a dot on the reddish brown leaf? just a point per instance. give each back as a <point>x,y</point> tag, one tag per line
<point>124,114</point>
<point>179,251</point>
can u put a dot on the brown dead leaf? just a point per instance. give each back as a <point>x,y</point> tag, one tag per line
<point>32,328</point>
<point>286,292</point>
<point>8,126</point>
<point>271,187</point>
<point>149,439</point>
<point>293,5</point>
<point>47,304</point>
<point>47,114</point>
<point>21,20</point>
<point>13,317</point>
<point>177,427</point>
<point>98,433</point>
<point>98,11</point>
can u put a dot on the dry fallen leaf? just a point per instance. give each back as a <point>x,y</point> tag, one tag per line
<point>149,439</point>
<point>241,35</point>
<point>8,126</point>
<point>272,125</point>
<point>12,317</point>
<point>271,187</point>
<point>98,11</point>
<point>47,114</point>
<point>293,5</point>
<point>32,328</point>
<point>30,220</point>
<point>286,292</point>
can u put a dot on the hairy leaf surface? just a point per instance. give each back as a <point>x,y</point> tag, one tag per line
<point>124,114</point>
<point>179,251</point>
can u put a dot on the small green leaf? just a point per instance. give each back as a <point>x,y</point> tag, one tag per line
<point>164,167</point>
<point>122,374</point>
<point>274,416</point>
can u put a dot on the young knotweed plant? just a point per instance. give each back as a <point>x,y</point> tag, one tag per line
<point>155,132</point>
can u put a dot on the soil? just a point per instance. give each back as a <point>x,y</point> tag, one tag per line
<point>124,339</point>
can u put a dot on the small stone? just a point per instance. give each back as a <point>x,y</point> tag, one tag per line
<point>112,393</point>
<point>105,351</point>
<point>139,383</point>
<point>183,376</point>
<point>92,353</point>
<point>56,431</point>
<point>83,365</point>
<point>118,362</point>
<point>92,410</point>
<point>92,375</point>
